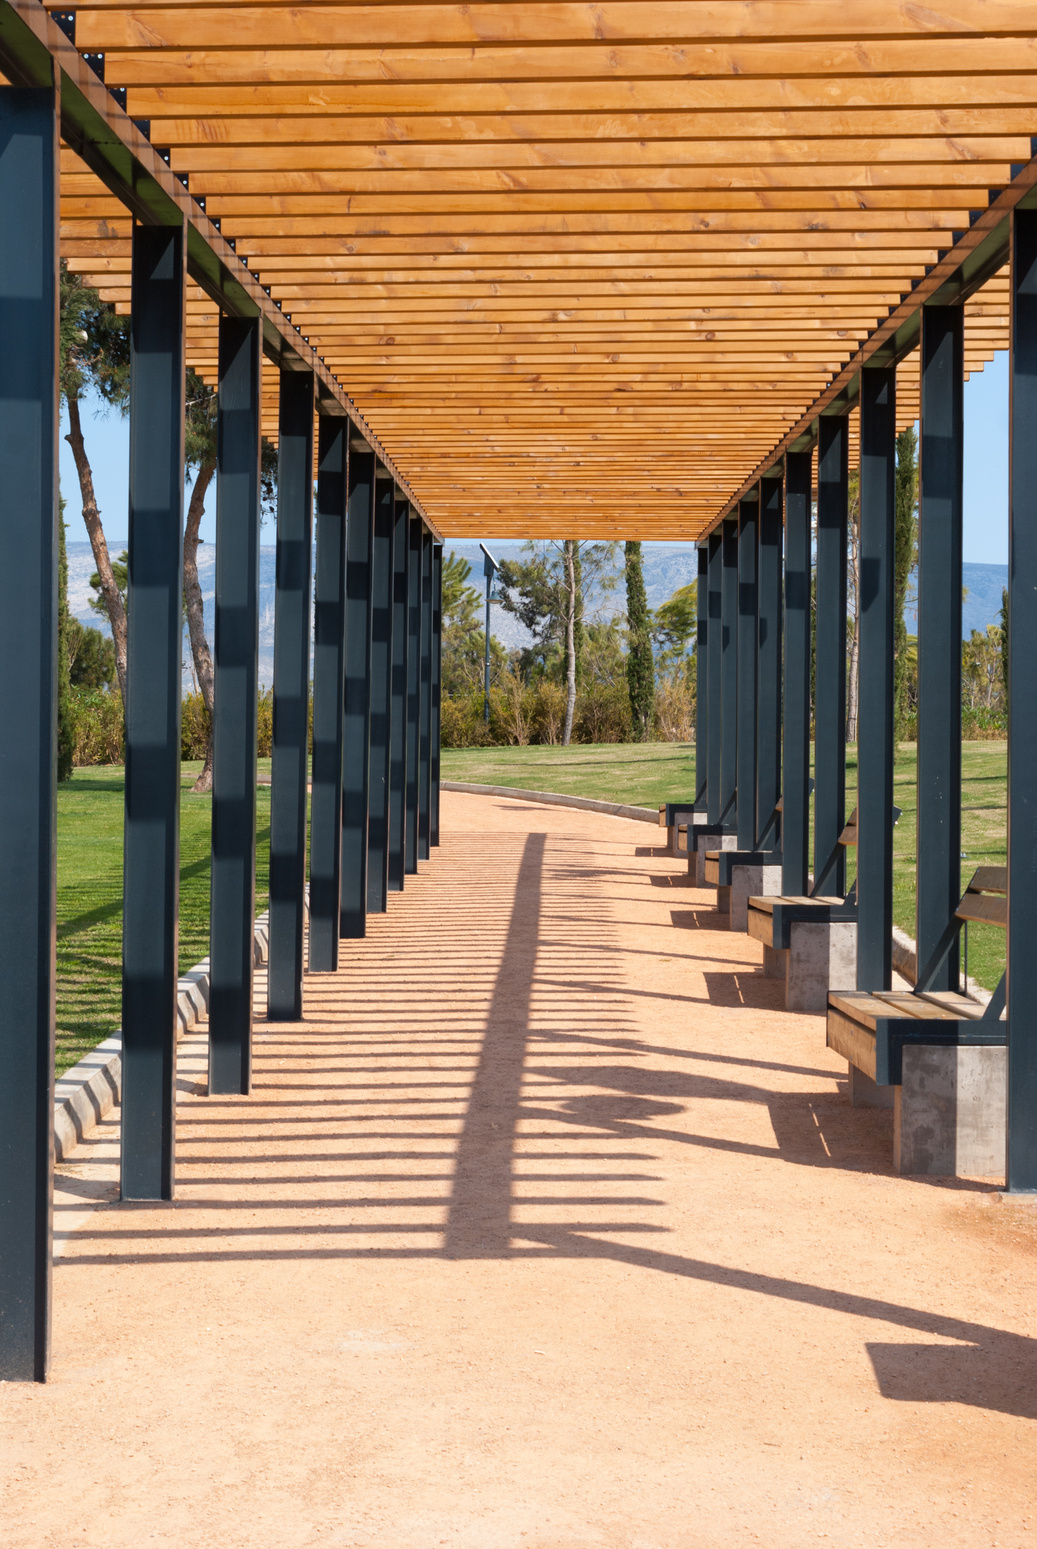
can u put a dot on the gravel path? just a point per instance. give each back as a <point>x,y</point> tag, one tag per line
<point>546,1230</point>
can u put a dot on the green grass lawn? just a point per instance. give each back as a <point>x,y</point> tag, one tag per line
<point>645,774</point>
<point>90,818</point>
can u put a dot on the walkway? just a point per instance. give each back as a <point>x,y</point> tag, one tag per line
<point>547,1230</point>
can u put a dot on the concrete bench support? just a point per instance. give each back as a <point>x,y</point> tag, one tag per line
<point>949,1111</point>
<point>939,1061</point>
<point>821,954</point>
<point>750,881</point>
<point>697,849</point>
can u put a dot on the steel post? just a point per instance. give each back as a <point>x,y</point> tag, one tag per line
<point>747,669</point>
<point>1021,1162</point>
<point>329,649</point>
<point>830,657</point>
<point>702,678</point>
<point>795,784</point>
<point>714,675</point>
<point>381,693</point>
<point>356,724</point>
<point>398,728</point>
<point>768,686</point>
<point>291,695</point>
<point>151,854</point>
<point>28,713</point>
<point>413,686</point>
<point>875,699</point>
<point>437,684</point>
<point>425,695</point>
<point>938,884</point>
<point>728,670</point>
<point>232,893</point>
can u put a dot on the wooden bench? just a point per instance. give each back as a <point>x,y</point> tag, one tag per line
<point>739,875</point>
<point>675,816</point>
<point>810,941</point>
<point>936,1057</point>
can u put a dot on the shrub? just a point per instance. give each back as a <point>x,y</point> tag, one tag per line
<point>194,727</point>
<point>98,733</point>
<point>548,717</point>
<point>602,714</point>
<point>674,709</point>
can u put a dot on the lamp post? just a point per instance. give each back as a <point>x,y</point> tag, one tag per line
<point>489,570</point>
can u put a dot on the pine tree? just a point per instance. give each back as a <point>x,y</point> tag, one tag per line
<point>640,662</point>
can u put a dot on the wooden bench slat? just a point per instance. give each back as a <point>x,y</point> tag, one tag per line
<point>989,879</point>
<point>857,1006</point>
<point>984,909</point>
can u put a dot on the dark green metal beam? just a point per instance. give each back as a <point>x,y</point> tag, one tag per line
<point>938,883</point>
<point>795,780</point>
<point>154,607</point>
<point>232,895</point>
<point>288,765</point>
<point>28,712</point>
<point>329,642</point>
<point>356,728</point>
<point>875,709</point>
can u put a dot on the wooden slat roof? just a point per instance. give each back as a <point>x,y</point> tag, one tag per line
<point>580,266</point>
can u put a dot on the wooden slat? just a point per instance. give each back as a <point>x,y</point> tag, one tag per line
<point>580,265</point>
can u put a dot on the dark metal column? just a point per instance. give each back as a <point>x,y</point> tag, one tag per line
<point>795,785</point>
<point>425,695</point>
<point>329,650</point>
<point>702,679</point>
<point>714,674</point>
<point>768,686</point>
<point>875,704</point>
<point>28,713</point>
<point>747,668</point>
<point>398,730</point>
<point>939,635</point>
<point>151,856</point>
<point>437,684</point>
<point>1021,1163</point>
<point>291,695</point>
<point>381,694</point>
<point>356,728</point>
<point>413,687</point>
<point>232,893</point>
<point>728,670</point>
<point>830,658</point>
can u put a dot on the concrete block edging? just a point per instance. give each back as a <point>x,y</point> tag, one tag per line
<point>88,1092</point>
<point>550,799</point>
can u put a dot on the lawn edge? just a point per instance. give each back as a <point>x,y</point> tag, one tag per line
<point>88,1091</point>
<point>551,799</point>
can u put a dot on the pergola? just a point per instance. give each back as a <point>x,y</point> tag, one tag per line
<point>601,270</point>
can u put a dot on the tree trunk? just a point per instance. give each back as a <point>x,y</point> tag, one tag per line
<point>92,518</point>
<point>570,642</point>
<point>194,607</point>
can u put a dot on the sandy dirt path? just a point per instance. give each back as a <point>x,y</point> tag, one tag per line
<point>545,1230</point>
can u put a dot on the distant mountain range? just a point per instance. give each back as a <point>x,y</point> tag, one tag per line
<point>667,567</point>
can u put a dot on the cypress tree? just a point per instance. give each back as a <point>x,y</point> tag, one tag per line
<point>66,729</point>
<point>640,662</point>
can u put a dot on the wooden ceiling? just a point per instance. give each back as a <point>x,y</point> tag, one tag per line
<point>581,266</point>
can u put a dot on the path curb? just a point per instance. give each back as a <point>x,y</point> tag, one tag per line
<point>88,1092</point>
<point>550,799</point>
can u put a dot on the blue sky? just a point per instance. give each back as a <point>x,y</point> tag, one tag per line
<point>986,471</point>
